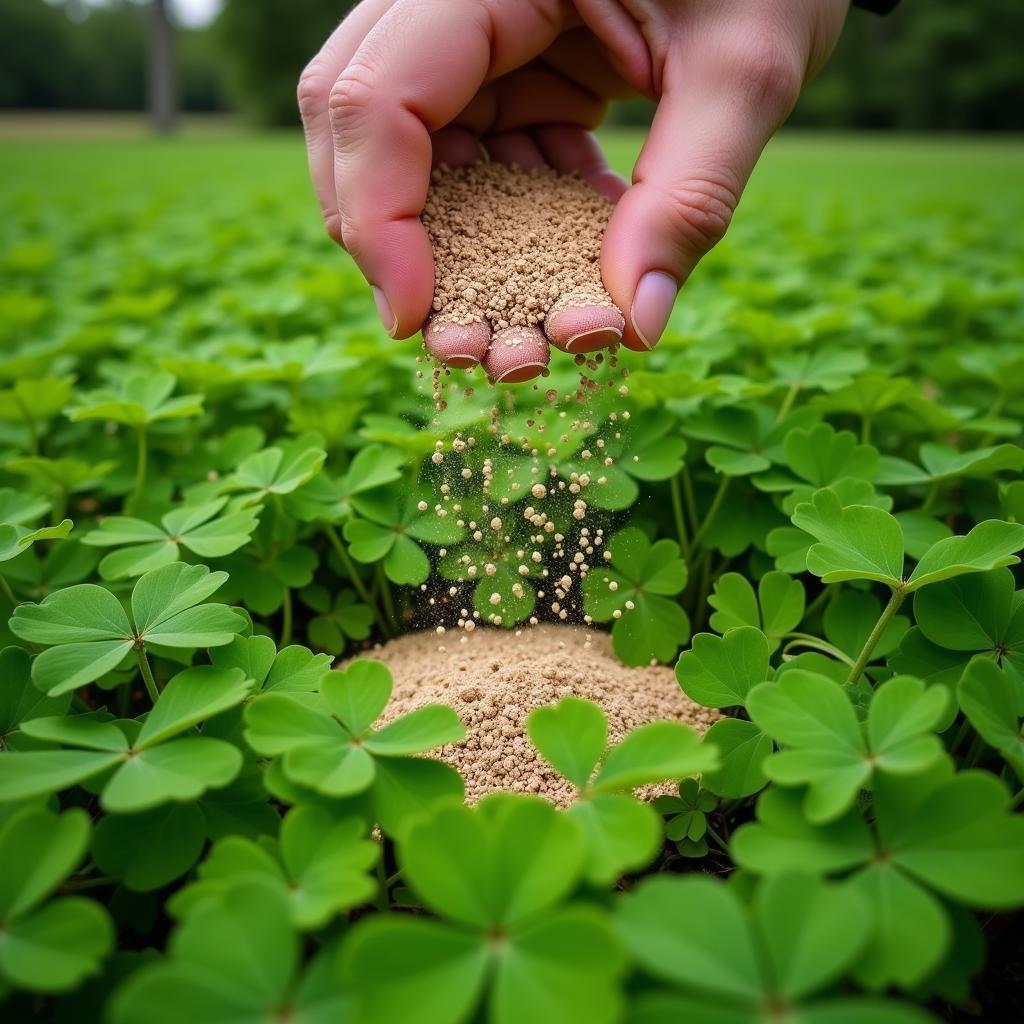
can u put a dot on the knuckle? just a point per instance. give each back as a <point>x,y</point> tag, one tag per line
<point>351,98</point>
<point>768,71</point>
<point>700,210</point>
<point>312,91</point>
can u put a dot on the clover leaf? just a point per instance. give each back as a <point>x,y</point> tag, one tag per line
<point>976,614</point>
<point>388,529</point>
<point>339,620</point>
<point>994,705</point>
<point>749,965</point>
<point>47,946</point>
<point>319,865</point>
<point>743,440</point>
<point>776,608</point>
<point>21,701</point>
<point>819,456</point>
<point>621,833</point>
<point>323,499</point>
<point>88,633</point>
<point>863,542</point>
<point>645,449</point>
<point>235,957</point>
<point>277,470</point>
<point>824,368</point>
<point>644,576</point>
<point>825,747</point>
<point>936,831</point>
<point>140,768</point>
<point>16,539</point>
<point>687,817</point>
<point>718,671</point>
<point>497,876</point>
<point>143,546</point>
<point>292,669</point>
<point>138,400</point>
<point>327,742</point>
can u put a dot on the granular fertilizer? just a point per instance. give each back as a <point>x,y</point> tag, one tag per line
<point>497,677</point>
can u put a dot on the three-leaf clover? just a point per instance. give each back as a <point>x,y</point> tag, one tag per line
<point>235,957</point>
<point>637,592</point>
<point>621,833</point>
<point>138,767</point>
<point>278,470</point>
<point>138,400</point>
<point>827,749</point>
<point>932,831</point>
<point>497,876</point>
<point>327,743</point>
<point>687,815</point>
<point>749,965</point>
<point>319,864</point>
<point>47,946</point>
<point>291,669</point>
<point>339,618</point>
<point>971,615</point>
<point>776,608</point>
<point>387,531</point>
<point>88,633</point>
<point>864,542</point>
<point>207,530</point>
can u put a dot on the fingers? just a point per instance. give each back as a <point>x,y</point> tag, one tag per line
<point>460,346</point>
<point>717,110</point>
<point>516,354</point>
<point>417,68</point>
<point>314,90</point>
<point>517,148</point>
<point>573,150</point>
<point>575,325</point>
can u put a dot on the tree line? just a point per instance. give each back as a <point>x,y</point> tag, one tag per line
<point>930,65</point>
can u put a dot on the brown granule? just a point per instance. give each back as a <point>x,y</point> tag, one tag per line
<point>513,247</point>
<point>493,678</point>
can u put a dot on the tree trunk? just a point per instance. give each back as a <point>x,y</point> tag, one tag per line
<point>161,68</point>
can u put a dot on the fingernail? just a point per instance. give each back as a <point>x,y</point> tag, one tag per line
<point>384,311</point>
<point>652,304</point>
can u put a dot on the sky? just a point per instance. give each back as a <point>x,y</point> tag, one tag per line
<point>193,13</point>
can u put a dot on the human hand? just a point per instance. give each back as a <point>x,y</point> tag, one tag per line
<point>402,85</point>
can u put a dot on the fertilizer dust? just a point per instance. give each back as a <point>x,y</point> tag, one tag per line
<point>495,679</point>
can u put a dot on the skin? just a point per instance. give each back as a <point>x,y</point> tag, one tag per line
<point>526,82</point>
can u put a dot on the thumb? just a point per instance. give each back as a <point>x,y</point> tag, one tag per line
<point>713,119</point>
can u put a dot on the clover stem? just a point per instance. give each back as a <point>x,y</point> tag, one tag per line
<point>827,595</point>
<point>933,493</point>
<point>30,426</point>
<point>1018,799</point>
<point>691,501</point>
<point>147,673</point>
<point>677,511</point>
<point>720,842</point>
<point>5,589</point>
<point>962,733</point>
<point>876,634</point>
<point>383,900</point>
<point>787,402</point>
<point>865,430</point>
<point>712,513</point>
<point>140,466</point>
<point>386,600</point>
<point>286,618</point>
<point>350,568</point>
<point>814,644</point>
<point>89,883</point>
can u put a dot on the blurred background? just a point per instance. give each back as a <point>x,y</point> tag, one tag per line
<point>932,65</point>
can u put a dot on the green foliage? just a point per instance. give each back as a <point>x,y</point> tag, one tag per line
<point>813,507</point>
